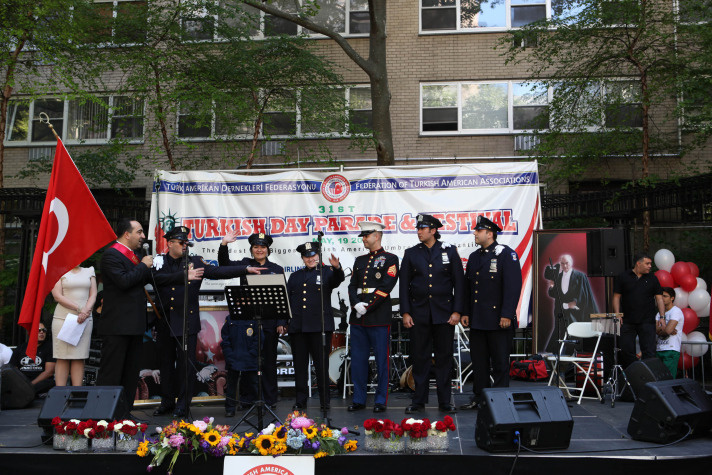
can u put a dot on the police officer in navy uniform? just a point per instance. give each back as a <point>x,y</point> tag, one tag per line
<point>494,284</point>
<point>373,278</point>
<point>272,329</point>
<point>168,279</point>
<point>304,288</point>
<point>431,302</point>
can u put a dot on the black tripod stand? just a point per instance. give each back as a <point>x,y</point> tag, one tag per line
<point>259,303</point>
<point>611,386</point>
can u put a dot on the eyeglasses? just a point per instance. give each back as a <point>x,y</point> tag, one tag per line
<point>182,243</point>
<point>42,330</point>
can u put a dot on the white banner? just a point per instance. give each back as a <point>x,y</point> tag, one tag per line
<point>294,206</point>
<point>262,465</point>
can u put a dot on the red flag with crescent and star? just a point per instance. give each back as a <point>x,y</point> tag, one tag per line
<point>72,228</point>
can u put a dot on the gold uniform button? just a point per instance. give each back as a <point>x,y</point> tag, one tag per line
<point>475,300</point>
<point>477,273</point>
<point>304,306</point>
<point>304,292</point>
<point>494,306</point>
<point>305,284</point>
<point>171,308</point>
<point>305,299</point>
<point>430,265</point>
<point>430,285</point>
<point>172,298</point>
<point>173,288</point>
<point>430,296</point>
<point>476,291</point>
<point>430,275</point>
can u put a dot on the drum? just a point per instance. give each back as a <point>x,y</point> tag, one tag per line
<point>338,340</point>
<point>283,348</point>
<point>337,360</point>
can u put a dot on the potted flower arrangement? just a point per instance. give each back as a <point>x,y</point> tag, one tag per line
<point>101,434</point>
<point>437,435</point>
<point>126,431</point>
<point>298,435</point>
<point>417,432</point>
<point>76,431</point>
<point>59,441</point>
<point>383,435</point>
<point>199,439</point>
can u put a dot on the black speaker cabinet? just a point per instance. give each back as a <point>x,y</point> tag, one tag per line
<point>664,411</point>
<point>641,372</point>
<point>606,252</point>
<point>82,402</point>
<point>17,390</point>
<point>540,415</point>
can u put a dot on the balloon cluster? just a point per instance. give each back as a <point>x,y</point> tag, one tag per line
<point>691,296</point>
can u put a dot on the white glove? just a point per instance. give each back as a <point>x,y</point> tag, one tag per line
<point>360,308</point>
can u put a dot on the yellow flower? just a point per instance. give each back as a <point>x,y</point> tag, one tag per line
<point>264,444</point>
<point>279,448</point>
<point>142,450</point>
<point>192,428</point>
<point>320,454</point>
<point>326,433</point>
<point>249,434</point>
<point>183,425</point>
<point>280,434</point>
<point>351,445</point>
<point>241,442</point>
<point>212,437</point>
<point>310,432</point>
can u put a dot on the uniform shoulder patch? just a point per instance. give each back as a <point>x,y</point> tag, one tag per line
<point>514,256</point>
<point>203,261</point>
<point>392,271</point>
<point>381,293</point>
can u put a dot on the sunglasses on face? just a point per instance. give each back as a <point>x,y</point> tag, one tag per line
<point>42,330</point>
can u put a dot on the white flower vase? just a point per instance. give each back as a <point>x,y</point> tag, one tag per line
<point>371,443</point>
<point>417,446</point>
<point>59,441</point>
<point>394,445</point>
<point>103,445</point>
<point>438,443</point>
<point>77,444</point>
<point>126,443</point>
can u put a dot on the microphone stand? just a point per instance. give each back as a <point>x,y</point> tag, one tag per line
<point>324,382</point>
<point>187,397</point>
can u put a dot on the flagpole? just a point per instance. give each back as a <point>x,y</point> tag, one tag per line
<point>44,119</point>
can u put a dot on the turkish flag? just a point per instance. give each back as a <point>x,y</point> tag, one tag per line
<point>73,227</point>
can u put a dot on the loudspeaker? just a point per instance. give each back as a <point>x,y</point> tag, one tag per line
<point>17,390</point>
<point>82,402</point>
<point>666,410</point>
<point>540,415</point>
<point>606,252</point>
<point>641,372</point>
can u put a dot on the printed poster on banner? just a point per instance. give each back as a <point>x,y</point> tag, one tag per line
<point>295,206</point>
<point>260,465</point>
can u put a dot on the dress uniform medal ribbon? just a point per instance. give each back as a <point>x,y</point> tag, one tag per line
<point>128,253</point>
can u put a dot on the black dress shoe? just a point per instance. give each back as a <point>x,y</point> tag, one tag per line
<point>327,407</point>
<point>470,406</point>
<point>356,407</point>
<point>229,413</point>
<point>449,408</point>
<point>379,408</point>
<point>178,413</point>
<point>162,410</point>
<point>297,407</point>
<point>414,408</point>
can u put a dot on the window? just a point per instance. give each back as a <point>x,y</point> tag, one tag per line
<point>197,25</point>
<point>473,15</point>
<point>360,107</point>
<point>619,12</point>
<point>483,107</point>
<point>93,121</point>
<point>695,11</point>
<point>623,104</point>
<point>115,21</point>
<point>281,116</point>
<point>192,122</point>
<point>609,104</point>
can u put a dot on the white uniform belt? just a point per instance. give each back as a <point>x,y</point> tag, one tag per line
<point>367,290</point>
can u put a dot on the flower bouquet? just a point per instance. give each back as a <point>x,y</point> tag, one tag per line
<point>101,434</point>
<point>298,435</point>
<point>417,432</point>
<point>383,435</point>
<point>437,435</point>
<point>59,441</point>
<point>77,435</point>
<point>126,431</point>
<point>199,439</point>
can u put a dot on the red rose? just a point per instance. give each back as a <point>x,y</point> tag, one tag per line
<point>368,424</point>
<point>378,426</point>
<point>447,420</point>
<point>388,424</point>
<point>440,425</point>
<point>405,425</point>
<point>143,427</point>
<point>56,421</point>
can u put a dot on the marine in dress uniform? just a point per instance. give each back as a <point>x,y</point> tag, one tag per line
<point>373,278</point>
<point>271,329</point>
<point>168,279</point>
<point>306,299</point>
<point>494,284</point>
<point>431,293</point>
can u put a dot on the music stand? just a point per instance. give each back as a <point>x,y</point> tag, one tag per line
<point>258,302</point>
<point>611,323</point>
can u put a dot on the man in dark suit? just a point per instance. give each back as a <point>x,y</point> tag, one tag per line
<point>123,320</point>
<point>373,278</point>
<point>168,276</point>
<point>494,284</point>
<point>431,293</point>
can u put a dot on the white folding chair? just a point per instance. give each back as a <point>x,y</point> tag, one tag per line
<point>586,365</point>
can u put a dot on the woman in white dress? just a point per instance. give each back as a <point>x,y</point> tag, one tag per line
<point>75,293</point>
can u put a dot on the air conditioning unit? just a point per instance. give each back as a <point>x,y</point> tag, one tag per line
<point>525,142</point>
<point>39,153</point>
<point>272,147</point>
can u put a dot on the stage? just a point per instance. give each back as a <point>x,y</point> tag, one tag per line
<point>599,444</point>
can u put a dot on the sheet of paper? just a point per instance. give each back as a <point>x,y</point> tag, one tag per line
<point>72,330</point>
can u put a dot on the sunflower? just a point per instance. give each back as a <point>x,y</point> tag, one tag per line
<point>310,432</point>
<point>350,446</point>
<point>325,433</point>
<point>320,454</point>
<point>194,429</point>
<point>212,437</point>
<point>265,444</point>
<point>280,434</point>
<point>279,448</point>
<point>142,450</point>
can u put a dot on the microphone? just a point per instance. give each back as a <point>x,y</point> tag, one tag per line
<point>145,248</point>
<point>320,235</point>
<point>190,244</point>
